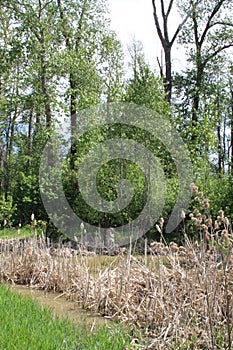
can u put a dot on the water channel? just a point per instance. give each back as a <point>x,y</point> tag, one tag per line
<point>62,307</point>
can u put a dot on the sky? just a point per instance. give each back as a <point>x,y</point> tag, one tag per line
<point>134,18</point>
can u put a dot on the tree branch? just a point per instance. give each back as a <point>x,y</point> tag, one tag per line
<point>183,22</point>
<point>63,28</point>
<point>160,68</point>
<point>158,25</point>
<point>221,23</point>
<point>215,53</point>
<point>208,24</point>
<point>80,23</point>
<point>162,9</point>
<point>179,29</point>
<point>169,8</point>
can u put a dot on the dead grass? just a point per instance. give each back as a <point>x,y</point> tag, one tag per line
<point>186,297</point>
<point>181,297</point>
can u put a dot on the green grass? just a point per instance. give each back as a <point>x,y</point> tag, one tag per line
<point>25,325</point>
<point>23,232</point>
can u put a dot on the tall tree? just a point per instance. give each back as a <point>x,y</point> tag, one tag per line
<point>11,59</point>
<point>209,32</point>
<point>167,43</point>
<point>82,25</point>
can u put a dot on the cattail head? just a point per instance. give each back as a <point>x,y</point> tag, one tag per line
<point>209,222</point>
<point>183,214</point>
<point>207,236</point>
<point>216,225</point>
<point>158,228</point>
<point>224,233</point>
<point>221,214</point>
<point>161,222</point>
<point>194,188</point>
<point>206,204</point>
<point>174,247</point>
<point>227,222</point>
<point>204,227</point>
<point>219,220</point>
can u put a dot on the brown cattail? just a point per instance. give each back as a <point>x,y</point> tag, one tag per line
<point>194,188</point>
<point>174,247</point>
<point>224,233</point>
<point>206,204</point>
<point>207,236</point>
<point>209,222</point>
<point>221,214</point>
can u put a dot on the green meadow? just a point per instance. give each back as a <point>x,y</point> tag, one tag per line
<point>25,325</point>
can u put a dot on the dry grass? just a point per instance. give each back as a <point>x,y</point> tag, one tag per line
<point>190,298</point>
<point>180,296</point>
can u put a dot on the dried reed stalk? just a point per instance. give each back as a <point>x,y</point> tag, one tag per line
<point>185,296</point>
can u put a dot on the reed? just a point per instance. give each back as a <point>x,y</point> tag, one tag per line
<point>187,297</point>
<point>180,296</point>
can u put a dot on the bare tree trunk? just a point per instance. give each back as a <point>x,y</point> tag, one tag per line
<point>44,84</point>
<point>168,76</point>
<point>219,148</point>
<point>8,153</point>
<point>231,125</point>
<point>30,141</point>
<point>167,44</point>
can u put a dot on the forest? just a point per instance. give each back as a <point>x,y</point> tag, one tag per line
<point>60,58</point>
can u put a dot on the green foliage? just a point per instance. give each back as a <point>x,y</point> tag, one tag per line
<point>6,209</point>
<point>25,325</point>
<point>62,57</point>
<point>217,188</point>
<point>145,88</point>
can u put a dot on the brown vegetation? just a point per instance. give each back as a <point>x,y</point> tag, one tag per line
<point>188,296</point>
<point>175,294</point>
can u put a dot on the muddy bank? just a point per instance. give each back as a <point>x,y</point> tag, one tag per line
<point>62,307</point>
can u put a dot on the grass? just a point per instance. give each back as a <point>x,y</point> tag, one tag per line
<point>27,326</point>
<point>23,232</point>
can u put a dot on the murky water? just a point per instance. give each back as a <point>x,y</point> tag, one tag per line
<point>62,307</point>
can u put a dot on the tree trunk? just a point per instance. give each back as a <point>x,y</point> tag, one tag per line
<point>30,141</point>
<point>44,85</point>
<point>168,74</point>
<point>166,42</point>
<point>73,119</point>
<point>72,77</point>
<point>231,160</point>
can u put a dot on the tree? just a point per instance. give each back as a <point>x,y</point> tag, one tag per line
<point>210,32</point>
<point>11,59</point>
<point>145,88</point>
<point>167,43</point>
<point>83,26</point>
